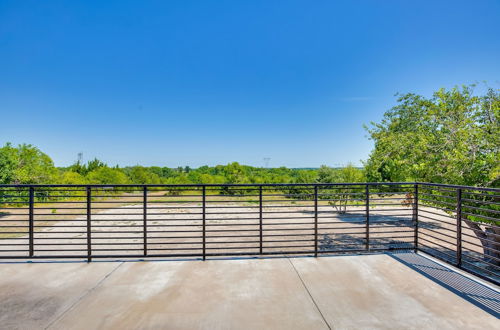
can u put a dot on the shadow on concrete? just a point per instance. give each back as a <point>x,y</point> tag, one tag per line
<point>473,291</point>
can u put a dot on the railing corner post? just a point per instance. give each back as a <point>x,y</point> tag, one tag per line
<point>145,221</point>
<point>459,227</point>
<point>415,217</point>
<point>367,211</point>
<point>31,225</point>
<point>204,234</point>
<point>89,227</point>
<point>315,220</point>
<point>260,221</point>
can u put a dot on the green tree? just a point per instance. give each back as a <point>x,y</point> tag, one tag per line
<point>142,175</point>
<point>25,164</point>
<point>106,175</point>
<point>70,177</point>
<point>452,137</point>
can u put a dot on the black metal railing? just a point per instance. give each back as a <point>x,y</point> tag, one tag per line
<point>459,225</point>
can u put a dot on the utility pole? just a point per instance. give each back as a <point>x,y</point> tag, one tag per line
<point>266,162</point>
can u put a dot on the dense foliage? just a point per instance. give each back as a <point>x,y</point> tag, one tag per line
<point>452,137</point>
<point>26,164</point>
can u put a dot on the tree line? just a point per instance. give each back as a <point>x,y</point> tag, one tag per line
<point>26,164</point>
<point>451,137</point>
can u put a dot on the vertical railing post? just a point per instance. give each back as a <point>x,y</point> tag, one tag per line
<point>31,220</point>
<point>89,227</point>
<point>204,222</point>
<point>260,220</point>
<point>459,227</point>
<point>415,217</point>
<point>367,211</point>
<point>315,220</point>
<point>145,220</point>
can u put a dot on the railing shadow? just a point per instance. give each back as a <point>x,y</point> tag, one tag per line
<point>473,291</point>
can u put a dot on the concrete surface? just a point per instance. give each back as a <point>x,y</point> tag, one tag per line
<point>340,292</point>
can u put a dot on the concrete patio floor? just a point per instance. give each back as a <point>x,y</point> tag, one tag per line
<point>384,291</point>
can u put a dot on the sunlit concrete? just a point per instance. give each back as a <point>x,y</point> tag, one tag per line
<point>340,292</point>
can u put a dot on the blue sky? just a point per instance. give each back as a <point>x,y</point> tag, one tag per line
<point>208,82</point>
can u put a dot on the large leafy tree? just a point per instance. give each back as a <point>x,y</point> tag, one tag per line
<point>25,164</point>
<point>452,137</point>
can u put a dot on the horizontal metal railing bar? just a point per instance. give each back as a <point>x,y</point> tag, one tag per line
<point>481,194</point>
<point>321,232</point>
<point>59,202</point>
<point>281,235</point>
<point>171,243</point>
<point>84,251</point>
<point>377,222</point>
<point>384,204</point>
<point>288,247</point>
<point>437,232</point>
<point>288,241</point>
<point>388,232</point>
<point>191,185</point>
<point>389,209</point>
<point>387,198</point>
<point>435,188</point>
<point>84,238</point>
<point>440,228</point>
<point>16,208</point>
<point>479,201</point>
<point>13,232</point>
<point>434,219</point>
<point>11,251</point>
<point>489,225</point>
<point>438,214</point>
<point>475,230</point>
<point>14,238</point>
<point>437,202</point>
<point>441,208</point>
<point>483,270</point>
<point>482,217</point>
<point>378,193</point>
<point>345,215</point>
<point>465,206</point>
<point>42,220</point>
<point>22,220</point>
<point>340,240</point>
<point>16,214</point>
<point>481,260</point>
<point>437,196</point>
<point>480,246</point>
<point>450,253</point>
<point>444,247</point>
<point>456,186</point>
<point>335,235</point>
<point>481,239</point>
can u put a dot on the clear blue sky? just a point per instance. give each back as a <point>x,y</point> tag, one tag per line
<point>208,82</point>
